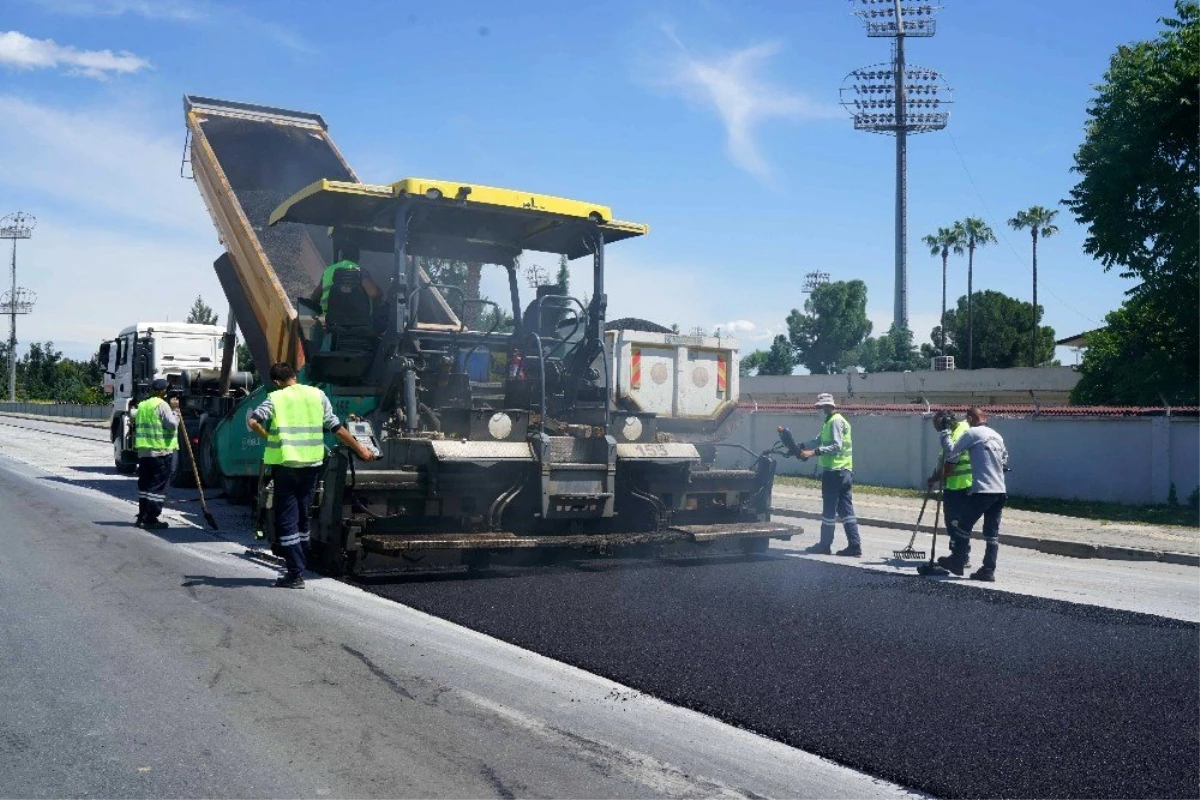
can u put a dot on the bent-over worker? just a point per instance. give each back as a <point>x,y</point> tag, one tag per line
<point>293,420</point>
<point>956,474</point>
<point>834,449</point>
<point>985,498</point>
<point>157,441</point>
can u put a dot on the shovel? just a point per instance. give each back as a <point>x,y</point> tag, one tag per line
<point>187,442</point>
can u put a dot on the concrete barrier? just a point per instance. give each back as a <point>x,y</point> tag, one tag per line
<point>1132,460</point>
<point>69,410</point>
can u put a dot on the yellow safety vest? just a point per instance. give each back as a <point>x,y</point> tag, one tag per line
<point>842,460</point>
<point>960,473</point>
<point>297,434</point>
<point>327,281</point>
<point>150,433</point>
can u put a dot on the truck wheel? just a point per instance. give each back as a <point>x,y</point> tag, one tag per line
<point>183,477</point>
<point>206,452</point>
<point>236,488</point>
<point>123,460</point>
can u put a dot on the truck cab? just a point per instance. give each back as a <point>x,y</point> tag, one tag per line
<point>139,354</point>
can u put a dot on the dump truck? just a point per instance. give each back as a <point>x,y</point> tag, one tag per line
<point>189,356</point>
<point>529,454</point>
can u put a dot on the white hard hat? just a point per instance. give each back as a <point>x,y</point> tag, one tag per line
<point>825,399</point>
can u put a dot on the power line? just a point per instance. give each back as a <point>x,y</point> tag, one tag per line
<point>1003,236</point>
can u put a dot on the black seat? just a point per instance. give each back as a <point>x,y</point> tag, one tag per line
<point>349,324</point>
<point>349,305</point>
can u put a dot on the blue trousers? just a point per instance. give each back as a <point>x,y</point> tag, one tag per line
<point>952,504</point>
<point>837,502</point>
<point>153,474</point>
<point>988,506</point>
<point>294,488</point>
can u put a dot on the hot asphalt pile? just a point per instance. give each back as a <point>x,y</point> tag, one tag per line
<point>955,692</point>
<point>266,164</point>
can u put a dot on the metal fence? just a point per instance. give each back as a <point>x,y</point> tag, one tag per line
<point>69,410</point>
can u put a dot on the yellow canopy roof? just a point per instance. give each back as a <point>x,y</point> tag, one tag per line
<point>452,212</point>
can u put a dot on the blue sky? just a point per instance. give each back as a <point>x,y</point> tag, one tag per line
<point>717,123</point>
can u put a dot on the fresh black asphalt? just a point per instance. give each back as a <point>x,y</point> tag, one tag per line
<point>940,687</point>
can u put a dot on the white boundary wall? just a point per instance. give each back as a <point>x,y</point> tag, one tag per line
<point>1119,459</point>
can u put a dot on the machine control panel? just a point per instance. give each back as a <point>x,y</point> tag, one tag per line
<point>364,434</point>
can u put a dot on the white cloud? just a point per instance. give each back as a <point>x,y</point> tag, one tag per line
<point>731,85</point>
<point>201,12</point>
<point>180,10</point>
<point>113,216</point>
<point>97,159</point>
<point>18,51</point>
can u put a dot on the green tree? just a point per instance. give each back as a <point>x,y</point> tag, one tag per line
<point>833,324</point>
<point>1139,167</point>
<point>973,233</point>
<point>751,363</point>
<point>892,352</point>
<point>1132,360</point>
<point>563,276</point>
<point>780,359</point>
<point>1004,324</point>
<point>941,244</point>
<point>201,313</point>
<point>1039,221</point>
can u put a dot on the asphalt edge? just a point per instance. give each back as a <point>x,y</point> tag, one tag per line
<point>1055,547</point>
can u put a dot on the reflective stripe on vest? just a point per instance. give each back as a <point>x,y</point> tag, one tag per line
<point>960,472</point>
<point>297,434</point>
<point>842,460</point>
<point>150,433</point>
<point>327,281</point>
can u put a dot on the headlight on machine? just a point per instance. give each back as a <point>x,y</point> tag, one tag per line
<point>500,425</point>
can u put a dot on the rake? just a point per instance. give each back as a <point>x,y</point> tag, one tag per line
<point>187,441</point>
<point>909,553</point>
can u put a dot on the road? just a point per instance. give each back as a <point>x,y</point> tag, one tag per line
<point>149,665</point>
<point>164,666</point>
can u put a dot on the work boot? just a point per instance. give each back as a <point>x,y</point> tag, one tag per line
<point>984,574</point>
<point>290,582</point>
<point>853,551</point>
<point>819,550</point>
<point>952,563</point>
<point>155,525</point>
<point>944,561</point>
<point>137,521</point>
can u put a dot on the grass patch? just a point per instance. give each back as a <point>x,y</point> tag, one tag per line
<point>1177,515</point>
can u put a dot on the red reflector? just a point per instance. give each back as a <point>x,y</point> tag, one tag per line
<point>195,440</point>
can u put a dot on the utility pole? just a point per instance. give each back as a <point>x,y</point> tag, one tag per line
<point>897,99</point>
<point>17,300</point>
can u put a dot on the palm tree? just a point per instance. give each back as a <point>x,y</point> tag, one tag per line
<point>941,243</point>
<point>1040,222</point>
<point>973,232</point>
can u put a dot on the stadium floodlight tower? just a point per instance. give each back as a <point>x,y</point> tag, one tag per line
<point>16,301</point>
<point>897,99</point>
<point>814,279</point>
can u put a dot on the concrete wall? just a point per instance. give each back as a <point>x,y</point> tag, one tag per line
<point>71,410</point>
<point>1120,459</point>
<point>1051,385</point>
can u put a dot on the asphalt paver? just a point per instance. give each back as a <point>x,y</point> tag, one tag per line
<point>954,692</point>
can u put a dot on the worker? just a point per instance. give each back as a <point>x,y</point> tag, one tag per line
<point>156,423</point>
<point>350,258</point>
<point>834,449</point>
<point>986,496</point>
<point>292,420</point>
<point>956,475</point>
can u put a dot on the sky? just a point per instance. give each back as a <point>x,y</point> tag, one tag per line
<point>717,123</point>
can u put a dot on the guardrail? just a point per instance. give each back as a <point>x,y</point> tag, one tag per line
<point>69,410</point>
